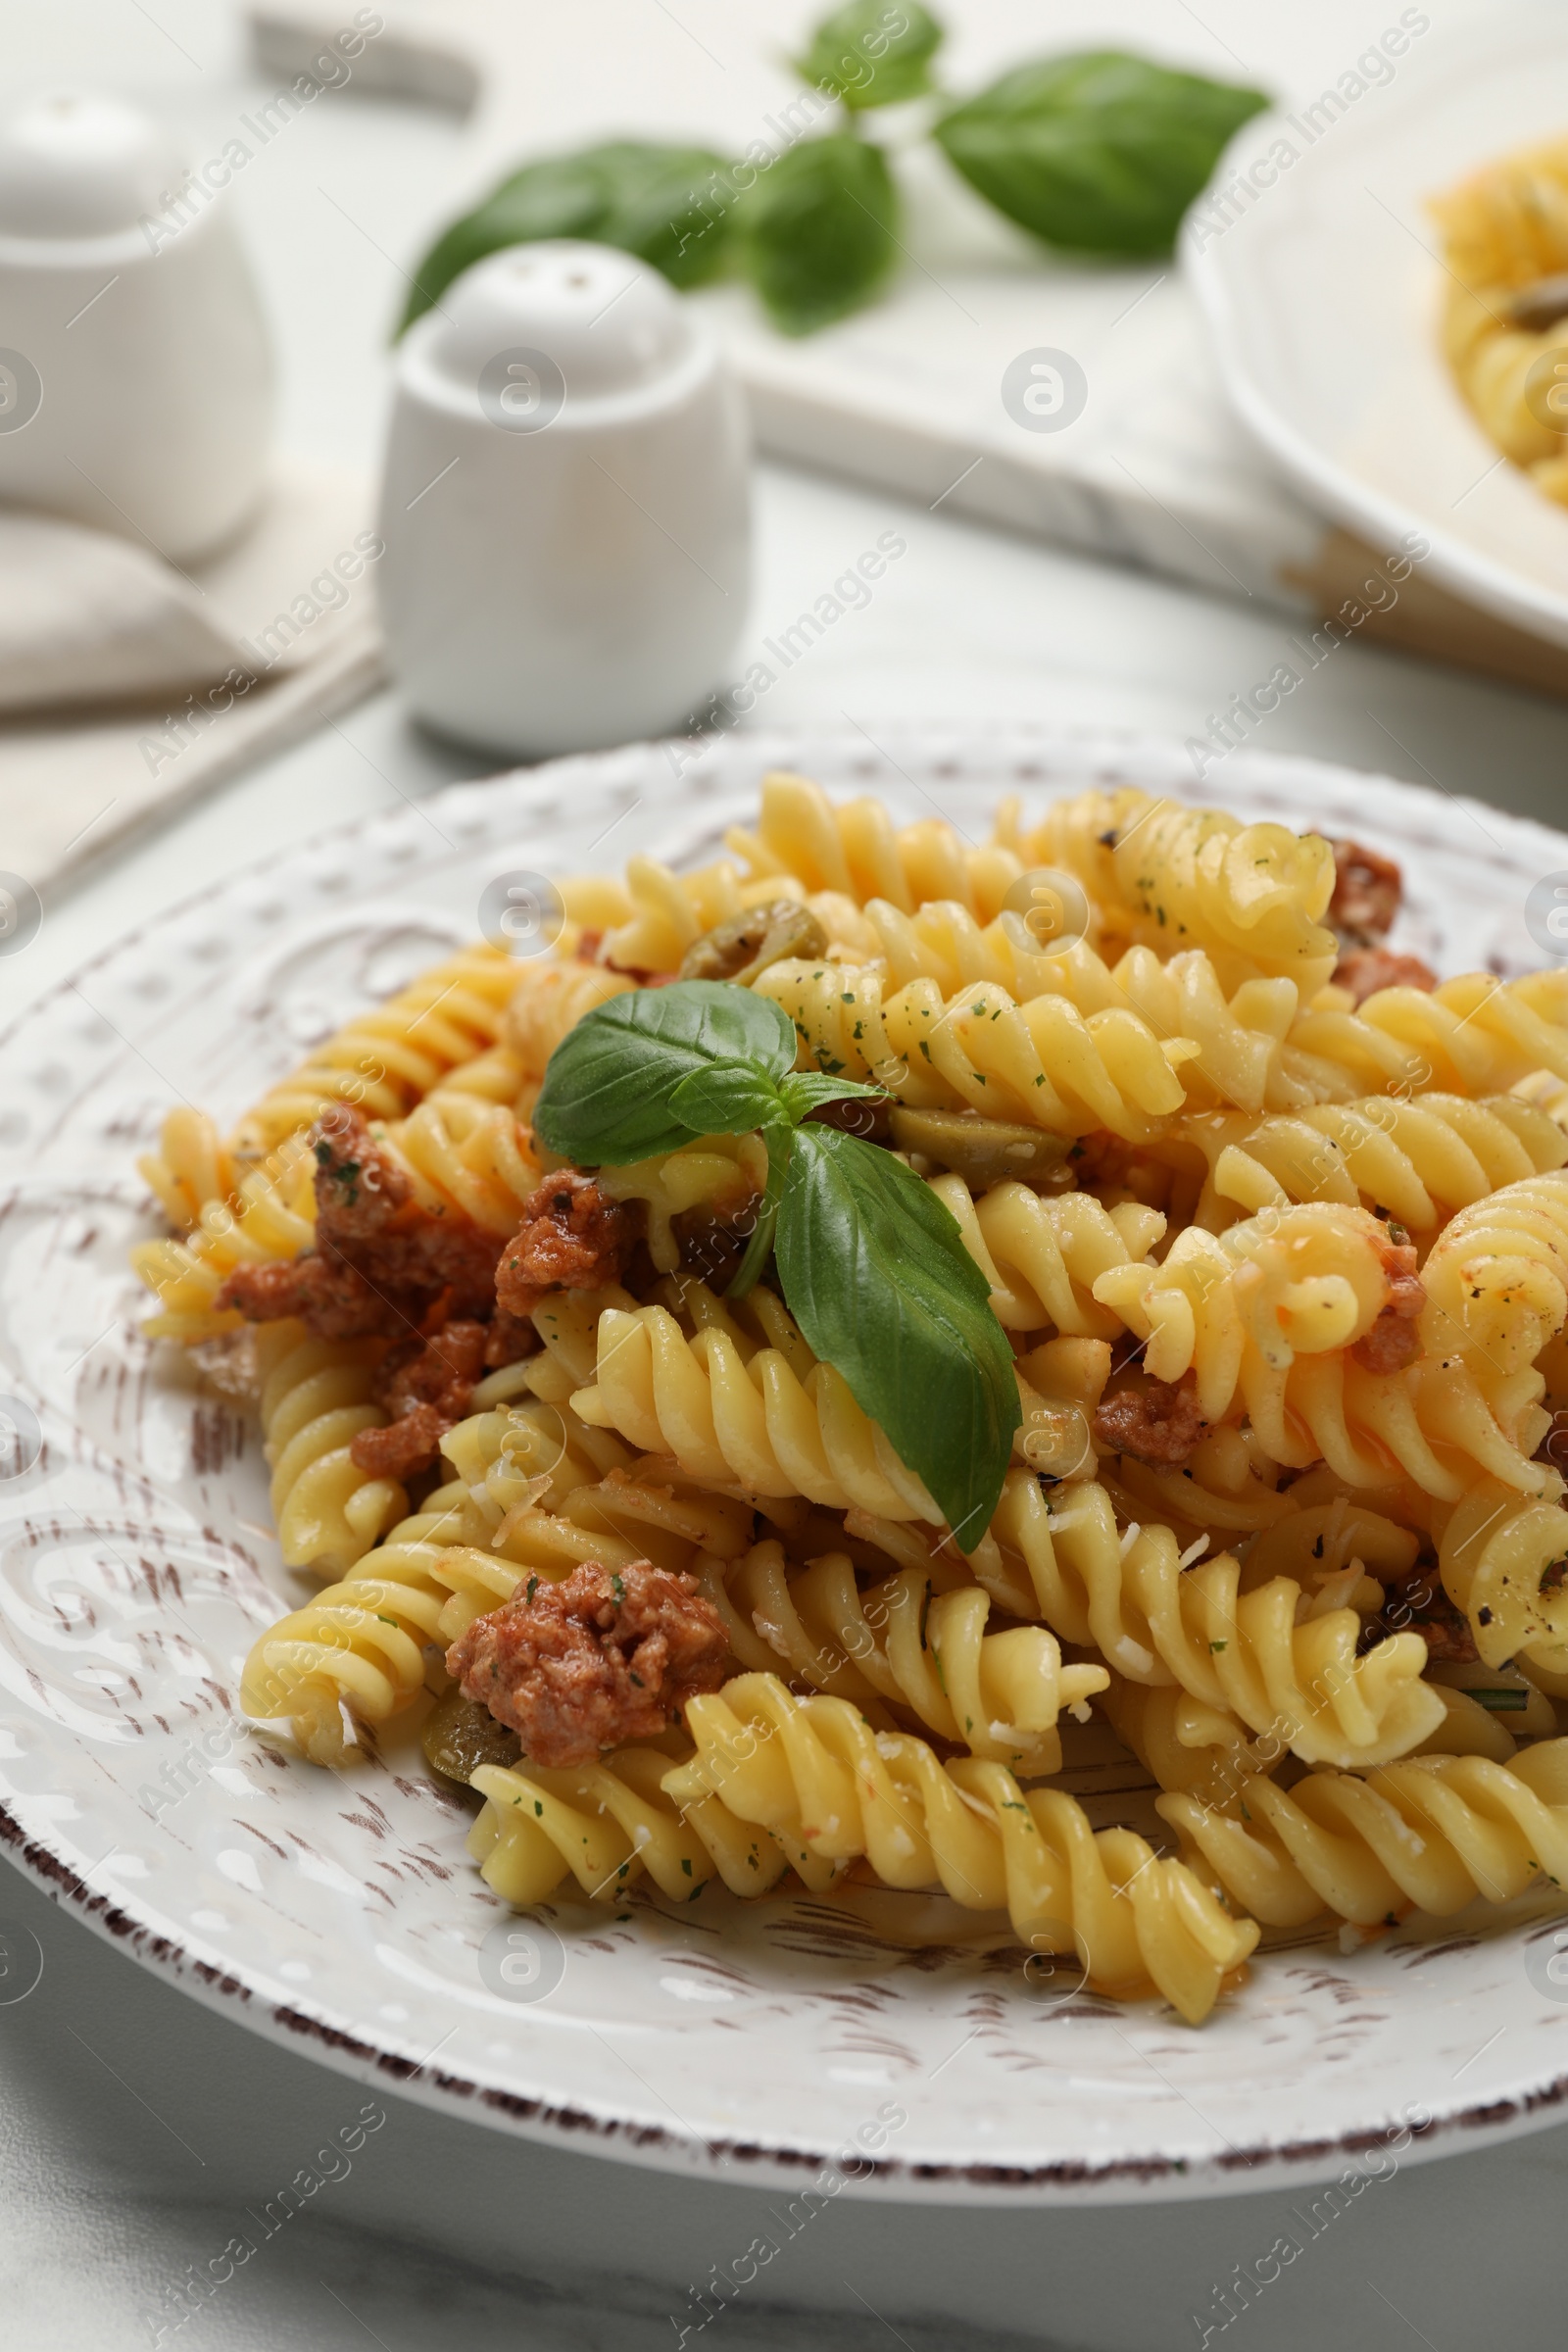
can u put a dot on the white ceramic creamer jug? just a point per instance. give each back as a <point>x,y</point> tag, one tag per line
<point>564,506</point>
<point>135,379</point>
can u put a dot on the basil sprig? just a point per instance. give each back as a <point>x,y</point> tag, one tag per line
<point>870,1263</point>
<point>1097,153</point>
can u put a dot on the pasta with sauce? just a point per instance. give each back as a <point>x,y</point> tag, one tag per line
<point>1267,1235</point>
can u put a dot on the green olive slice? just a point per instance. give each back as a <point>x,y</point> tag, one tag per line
<point>744,946</point>
<point>459,1734</point>
<point>1538,306</point>
<point>980,1151</point>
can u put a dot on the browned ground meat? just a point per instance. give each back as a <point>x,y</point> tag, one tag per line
<point>1553,1446</point>
<point>440,1371</point>
<point>578,1667</point>
<point>1393,1340</point>
<point>407,1444</point>
<point>1367,890</point>
<point>1418,1604</point>
<point>327,1296</point>
<point>424,1385</point>
<point>511,1338</point>
<point>1364,970</point>
<point>1152,1420</point>
<point>572,1237</point>
<point>381,1264</point>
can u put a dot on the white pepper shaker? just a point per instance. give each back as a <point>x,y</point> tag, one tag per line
<point>136,378</point>
<point>564,505</point>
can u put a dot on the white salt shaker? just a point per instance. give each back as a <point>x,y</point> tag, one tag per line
<point>564,505</point>
<point>135,379</point>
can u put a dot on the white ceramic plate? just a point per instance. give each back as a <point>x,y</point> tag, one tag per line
<point>343,1915</point>
<point>1324,296</point>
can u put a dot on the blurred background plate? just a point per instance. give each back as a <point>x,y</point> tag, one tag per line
<point>1324,299</point>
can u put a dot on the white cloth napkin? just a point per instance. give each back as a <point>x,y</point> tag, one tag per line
<point>128,685</point>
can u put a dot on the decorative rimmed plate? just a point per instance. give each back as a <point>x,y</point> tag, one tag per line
<point>1324,295</point>
<point>343,1915</point>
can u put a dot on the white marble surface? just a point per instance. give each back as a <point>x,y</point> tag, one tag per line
<point>130,2123</point>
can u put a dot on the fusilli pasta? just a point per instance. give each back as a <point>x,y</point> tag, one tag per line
<point>314,1400</point>
<point>1254,1654</point>
<point>1432,1833</point>
<point>813,1772</point>
<point>606,1825</point>
<point>917,1641</point>
<point>387,1057</point>
<point>1419,1157</point>
<point>853,847</point>
<point>1040,1063</point>
<point>753,1427</point>
<point>1168,877</point>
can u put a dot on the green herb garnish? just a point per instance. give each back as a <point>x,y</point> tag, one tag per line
<point>870,1263</point>
<point>1096,152</point>
<point>869,54</point>
<point>1100,152</point>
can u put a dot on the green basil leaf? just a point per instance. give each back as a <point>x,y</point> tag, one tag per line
<point>1099,151</point>
<point>817,231</point>
<point>672,206</point>
<point>606,1092</point>
<point>728,1098</point>
<point>871,53</point>
<point>806,1091</point>
<point>875,1272</point>
<point>558,198</point>
<point>759,1249</point>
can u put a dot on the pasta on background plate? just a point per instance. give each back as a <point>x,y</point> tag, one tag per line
<point>774,1387</point>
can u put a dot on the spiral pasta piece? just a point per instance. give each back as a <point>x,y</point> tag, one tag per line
<point>1503,227</point>
<point>853,847</point>
<point>547,1003</point>
<point>1496,1277</point>
<point>607,1825</point>
<point>1240,1040</point>
<point>1419,1157</point>
<point>276,1218</point>
<point>1430,1834</point>
<point>754,1426</point>
<point>1168,877</point>
<point>1437,1423</point>
<point>1503,1561</point>
<point>1187,1746</point>
<point>723,1174</point>
<point>1475,1035</point>
<point>315,1401</point>
<point>466,1156</point>
<point>813,1772</point>
<point>1238,1308</point>
<point>1248,1653</point>
<point>1042,1256</point>
<point>386,1058</point>
<point>191,1169</point>
<point>917,1641</point>
<point>1266,1317</point>
<point>1040,1063</point>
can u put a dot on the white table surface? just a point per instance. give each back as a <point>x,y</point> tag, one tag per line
<point>127,2117</point>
